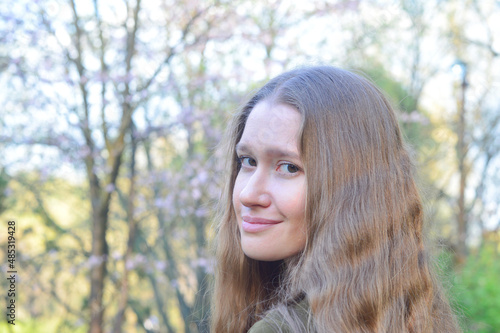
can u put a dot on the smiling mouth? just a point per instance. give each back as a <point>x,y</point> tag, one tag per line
<point>257,224</point>
<point>259,220</point>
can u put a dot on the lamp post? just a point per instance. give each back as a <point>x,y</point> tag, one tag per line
<point>460,68</point>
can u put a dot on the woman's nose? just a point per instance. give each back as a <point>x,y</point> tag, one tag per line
<point>255,191</point>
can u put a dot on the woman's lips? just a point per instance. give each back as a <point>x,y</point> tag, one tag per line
<point>257,224</point>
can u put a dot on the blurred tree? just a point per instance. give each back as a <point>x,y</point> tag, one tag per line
<point>477,121</point>
<point>84,74</point>
<point>94,65</point>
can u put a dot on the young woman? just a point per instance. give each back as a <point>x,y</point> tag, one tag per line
<point>320,227</point>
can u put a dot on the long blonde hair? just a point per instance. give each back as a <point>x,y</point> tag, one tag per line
<point>364,267</point>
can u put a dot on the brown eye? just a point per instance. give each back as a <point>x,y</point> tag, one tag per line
<point>288,168</point>
<point>247,161</point>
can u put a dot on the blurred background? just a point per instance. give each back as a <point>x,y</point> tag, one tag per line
<point>111,112</point>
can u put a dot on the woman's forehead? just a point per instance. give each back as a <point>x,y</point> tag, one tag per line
<point>273,126</point>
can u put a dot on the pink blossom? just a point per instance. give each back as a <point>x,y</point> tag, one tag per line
<point>94,261</point>
<point>414,117</point>
<point>196,194</point>
<point>160,265</point>
<point>110,188</point>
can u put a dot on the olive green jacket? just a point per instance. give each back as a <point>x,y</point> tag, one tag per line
<point>274,323</point>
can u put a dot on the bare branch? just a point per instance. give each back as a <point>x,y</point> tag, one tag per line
<point>89,160</point>
<point>489,34</point>
<point>173,272</point>
<point>104,72</point>
<point>173,50</point>
<point>118,145</point>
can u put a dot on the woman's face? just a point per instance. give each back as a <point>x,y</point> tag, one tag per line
<point>269,192</point>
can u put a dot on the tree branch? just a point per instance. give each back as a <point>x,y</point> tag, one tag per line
<point>85,126</point>
<point>104,73</point>
<point>173,50</point>
<point>172,272</point>
<point>132,223</point>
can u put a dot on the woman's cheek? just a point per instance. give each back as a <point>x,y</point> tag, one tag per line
<point>289,195</point>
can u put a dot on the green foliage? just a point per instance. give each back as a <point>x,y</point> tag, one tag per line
<point>41,326</point>
<point>475,289</point>
<point>3,187</point>
<point>386,82</point>
<point>480,296</point>
<point>414,122</point>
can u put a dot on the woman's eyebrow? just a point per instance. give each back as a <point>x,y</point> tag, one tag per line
<point>270,151</point>
<point>242,147</point>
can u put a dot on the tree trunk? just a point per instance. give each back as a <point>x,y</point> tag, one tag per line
<point>461,153</point>
<point>98,261</point>
<point>124,292</point>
